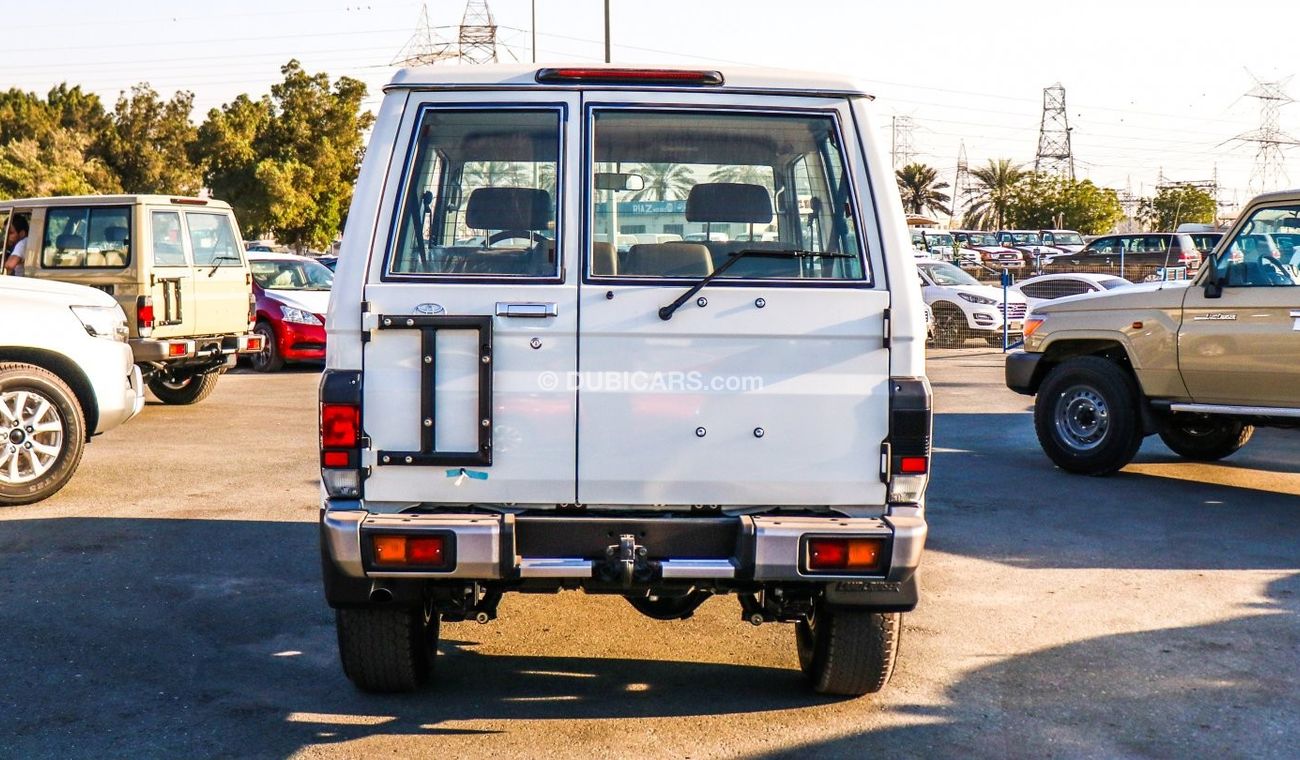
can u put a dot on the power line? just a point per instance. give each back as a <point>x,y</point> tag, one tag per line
<point>900,145</point>
<point>1269,172</point>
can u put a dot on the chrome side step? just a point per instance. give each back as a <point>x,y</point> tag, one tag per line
<point>534,567</point>
<point>698,568</point>
<point>1251,411</point>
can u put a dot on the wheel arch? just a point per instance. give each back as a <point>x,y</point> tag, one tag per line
<point>1112,349</point>
<point>67,370</point>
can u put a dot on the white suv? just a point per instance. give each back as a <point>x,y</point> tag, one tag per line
<point>66,373</point>
<point>740,408</point>
<point>966,308</point>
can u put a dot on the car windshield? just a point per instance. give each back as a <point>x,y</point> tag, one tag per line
<point>1026,238</point>
<point>938,240</point>
<point>945,275</point>
<point>1118,282</point>
<point>1067,238</point>
<point>977,239</point>
<point>291,274</point>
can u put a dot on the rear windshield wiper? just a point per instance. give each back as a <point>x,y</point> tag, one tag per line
<point>216,262</point>
<point>666,312</point>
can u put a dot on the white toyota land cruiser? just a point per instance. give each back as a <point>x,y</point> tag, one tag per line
<point>511,404</point>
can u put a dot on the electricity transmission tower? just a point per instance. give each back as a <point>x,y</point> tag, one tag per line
<point>901,151</point>
<point>960,185</point>
<point>475,39</point>
<point>1055,155</point>
<point>1270,165</point>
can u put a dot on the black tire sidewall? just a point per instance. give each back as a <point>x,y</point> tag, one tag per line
<point>948,314</point>
<point>197,387</point>
<point>274,361</point>
<point>1228,436</point>
<point>1117,388</point>
<point>44,383</point>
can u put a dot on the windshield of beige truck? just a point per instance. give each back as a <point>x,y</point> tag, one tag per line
<point>706,185</point>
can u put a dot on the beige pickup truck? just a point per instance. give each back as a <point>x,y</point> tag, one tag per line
<point>175,265</point>
<point>1200,363</point>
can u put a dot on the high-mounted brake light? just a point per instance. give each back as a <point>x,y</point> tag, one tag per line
<point>629,76</point>
<point>189,201</point>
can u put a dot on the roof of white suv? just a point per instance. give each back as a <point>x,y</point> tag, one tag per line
<point>735,79</point>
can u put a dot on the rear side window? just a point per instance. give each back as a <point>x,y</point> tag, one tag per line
<point>167,247</point>
<point>480,195</point>
<point>719,183</point>
<point>212,240</point>
<point>87,237</point>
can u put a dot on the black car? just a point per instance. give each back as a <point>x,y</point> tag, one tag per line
<point>1137,254</point>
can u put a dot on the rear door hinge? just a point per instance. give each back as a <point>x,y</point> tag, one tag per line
<point>369,322</point>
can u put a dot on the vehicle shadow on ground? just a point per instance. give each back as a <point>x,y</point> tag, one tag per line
<point>994,495</point>
<point>194,638</point>
<point>1173,692</point>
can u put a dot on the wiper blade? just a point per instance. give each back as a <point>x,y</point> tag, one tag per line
<point>215,264</point>
<point>666,312</point>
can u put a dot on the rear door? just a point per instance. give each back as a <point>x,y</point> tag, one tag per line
<point>769,386</point>
<point>221,280</point>
<point>169,274</point>
<point>472,305</point>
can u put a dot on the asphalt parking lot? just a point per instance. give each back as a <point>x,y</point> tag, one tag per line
<point>167,604</point>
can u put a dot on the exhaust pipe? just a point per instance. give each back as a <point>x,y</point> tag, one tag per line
<point>380,594</point>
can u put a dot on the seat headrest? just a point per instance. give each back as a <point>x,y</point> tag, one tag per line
<point>729,202</point>
<point>508,208</point>
<point>115,234</point>
<point>67,241</point>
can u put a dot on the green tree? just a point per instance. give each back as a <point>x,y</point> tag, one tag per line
<point>1177,204</point>
<point>921,190</point>
<point>743,174</point>
<point>992,194</point>
<point>287,163</point>
<point>57,164</point>
<point>497,174</point>
<point>1042,201</point>
<point>148,142</point>
<point>664,182</point>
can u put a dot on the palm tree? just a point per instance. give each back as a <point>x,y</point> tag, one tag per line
<point>994,186</point>
<point>495,174</point>
<point>920,191</point>
<point>664,182</point>
<point>743,174</point>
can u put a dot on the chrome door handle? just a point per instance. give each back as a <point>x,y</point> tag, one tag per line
<point>527,310</point>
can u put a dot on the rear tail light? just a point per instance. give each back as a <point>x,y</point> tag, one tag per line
<point>144,316</point>
<point>408,550</point>
<point>252,310</point>
<point>341,439</point>
<point>857,555</point>
<point>905,456</point>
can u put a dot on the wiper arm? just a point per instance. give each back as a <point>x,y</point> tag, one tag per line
<point>216,259</point>
<point>666,312</point>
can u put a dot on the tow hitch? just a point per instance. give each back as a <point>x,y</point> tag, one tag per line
<point>625,562</point>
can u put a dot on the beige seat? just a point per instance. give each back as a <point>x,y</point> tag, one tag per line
<point>95,259</point>
<point>667,260</point>
<point>604,260</point>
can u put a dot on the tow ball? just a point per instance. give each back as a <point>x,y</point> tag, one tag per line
<point>625,559</point>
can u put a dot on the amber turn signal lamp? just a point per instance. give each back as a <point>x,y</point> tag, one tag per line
<point>407,550</point>
<point>855,554</point>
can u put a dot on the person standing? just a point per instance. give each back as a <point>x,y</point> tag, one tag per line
<point>16,244</point>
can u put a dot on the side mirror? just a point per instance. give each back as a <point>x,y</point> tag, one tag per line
<point>1213,286</point>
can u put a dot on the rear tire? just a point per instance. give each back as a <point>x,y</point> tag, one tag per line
<point>42,434</point>
<point>190,390</point>
<point>1203,438</point>
<point>1087,416</point>
<point>848,652</point>
<point>386,650</point>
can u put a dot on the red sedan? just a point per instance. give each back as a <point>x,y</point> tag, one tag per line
<point>292,296</point>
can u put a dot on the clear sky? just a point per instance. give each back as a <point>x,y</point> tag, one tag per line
<point>1151,87</point>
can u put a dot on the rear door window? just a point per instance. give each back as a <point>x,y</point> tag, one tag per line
<point>480,199</point>
<point>212,240</point>
<point>87,237</point>
<point>724,182</point>
<point>166,244</point>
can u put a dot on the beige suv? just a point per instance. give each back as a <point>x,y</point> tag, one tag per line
<point>175,265</point>
<point>1200,363</point>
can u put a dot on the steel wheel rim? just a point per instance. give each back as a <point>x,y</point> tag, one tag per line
<point>1082,418</point>
<point>263,358</point>
<point>31,432</point>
